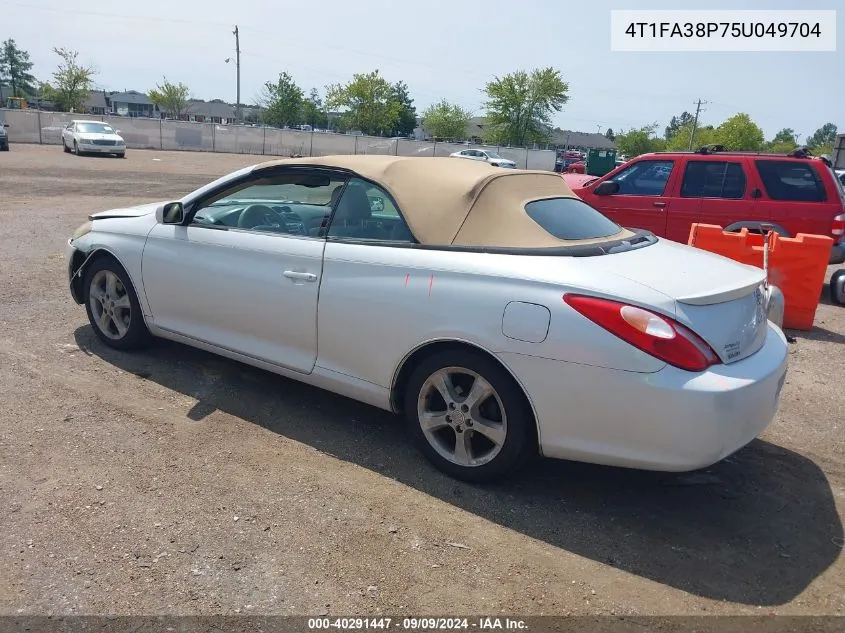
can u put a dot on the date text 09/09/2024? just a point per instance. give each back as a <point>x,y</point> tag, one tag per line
<point>416,624</point>
<point>723,29</point>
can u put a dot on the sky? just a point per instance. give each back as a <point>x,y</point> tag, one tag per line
<point>441,49</point>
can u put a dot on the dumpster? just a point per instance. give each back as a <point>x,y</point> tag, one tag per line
<point>601,161</point>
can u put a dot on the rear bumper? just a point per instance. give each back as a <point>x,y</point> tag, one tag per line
<point>837,254</point>
<point>670,420</point>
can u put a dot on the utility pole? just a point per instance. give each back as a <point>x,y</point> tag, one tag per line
<point>238,66</point>
<point>695,123</point>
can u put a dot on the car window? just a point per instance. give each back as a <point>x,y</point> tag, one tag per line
<point>571,219</point>
<point>644,178</point>
<point>293,202</point>
<point>713,179</point>
<point>366,211</point>
<point>94,128</point>
<point>791,180</point>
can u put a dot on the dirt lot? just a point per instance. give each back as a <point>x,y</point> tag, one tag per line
<point>172,481</point>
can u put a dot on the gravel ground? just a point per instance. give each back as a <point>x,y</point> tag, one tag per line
<point>175,482</point>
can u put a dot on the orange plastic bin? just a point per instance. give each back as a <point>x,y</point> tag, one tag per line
<point>797,265</point>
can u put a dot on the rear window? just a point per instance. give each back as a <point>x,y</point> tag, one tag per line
<point>571,219</point>
<point>791,180</point>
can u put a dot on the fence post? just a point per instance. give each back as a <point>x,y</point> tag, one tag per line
<point>213,137</point>
<point>40,140</point>
<point>160,136</point>
<point>264,140</point>
<point>311,149</point>
<point>356,144</point>
<point>526,158</point>
<point>396,148</point>
<point>434,147</point>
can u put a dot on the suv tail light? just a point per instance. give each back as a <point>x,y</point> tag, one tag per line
<point>657,335</point>
<point>838,230</point>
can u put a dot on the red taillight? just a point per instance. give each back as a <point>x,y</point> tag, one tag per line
<point>838,229</point>
<point>660,336</point>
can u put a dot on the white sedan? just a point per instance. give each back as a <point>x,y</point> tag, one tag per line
<point>486,156</point>
<point>92,137</point>
<point>499,313</point>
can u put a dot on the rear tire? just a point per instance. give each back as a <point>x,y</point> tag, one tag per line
<point>837,288</point>
<point>112,306</point>
<point>482,429</point>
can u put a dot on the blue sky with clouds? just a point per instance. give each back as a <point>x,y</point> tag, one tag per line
<point>441,48</point>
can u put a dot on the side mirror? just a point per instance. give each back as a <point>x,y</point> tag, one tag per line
<point>376,203</point>
<point>5,125</point>
<point>607,188</point>
<point>170,213</point>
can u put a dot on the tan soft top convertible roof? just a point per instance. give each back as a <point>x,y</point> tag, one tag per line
<point>453,201</point>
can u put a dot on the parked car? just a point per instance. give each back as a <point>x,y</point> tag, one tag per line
<point>666,192</point>
<point>4,137</point>
<point>502,315</point>
<point>485,155</point>
<point>92,137</point>
<point>840,173</point>
<point>577,167</point>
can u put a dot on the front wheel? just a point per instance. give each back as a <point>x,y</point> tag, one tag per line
<point>112,306</point>
<point>837,288</point>
<point>469,417</point>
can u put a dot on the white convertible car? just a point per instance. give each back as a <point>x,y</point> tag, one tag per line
<point>503,316</point>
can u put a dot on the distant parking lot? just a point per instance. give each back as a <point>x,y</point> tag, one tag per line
<point>174,481</point>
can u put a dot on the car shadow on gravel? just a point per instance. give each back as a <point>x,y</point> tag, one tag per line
<point>755,529</point>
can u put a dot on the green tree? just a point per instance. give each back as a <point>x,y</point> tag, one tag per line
<point>704,135</point>
<point>407,112</point>
<point>740,133</point>
<point>446,120</point>
<point>72,81</point>
<point>313,112</point>
<point>639,141</point>
<point>519,106</point>
<point>282,101</point>
<point>782,142</point>
<point>14,69</point>
<point>609,135</point>
<point>685,120</point>
<point>824,136</point>
<point>172,99</point>
<point>369,103</point>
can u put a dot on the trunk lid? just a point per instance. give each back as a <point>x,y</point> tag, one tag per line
<point>721,300</point>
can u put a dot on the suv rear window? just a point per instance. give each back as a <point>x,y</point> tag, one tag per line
<point>571,219</point>
<point>791,180</point>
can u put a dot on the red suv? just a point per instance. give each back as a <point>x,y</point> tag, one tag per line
<point>665,192</point>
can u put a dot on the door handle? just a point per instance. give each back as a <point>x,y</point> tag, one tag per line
<point>293,274</point>
<point>660,204</point>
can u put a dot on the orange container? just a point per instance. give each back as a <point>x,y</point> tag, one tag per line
<point>797,265</point>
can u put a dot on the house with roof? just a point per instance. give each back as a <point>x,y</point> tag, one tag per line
<point>96,103</point>
<point>131,103</point>
<point>214,111</point>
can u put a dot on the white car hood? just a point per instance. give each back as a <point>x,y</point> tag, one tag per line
<point>128,212</point>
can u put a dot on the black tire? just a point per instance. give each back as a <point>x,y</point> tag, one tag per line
<point>65,148</point>
<point>520,444</point>
<point>837,288</point>
<point>76,149</point>
<point>136,335</point>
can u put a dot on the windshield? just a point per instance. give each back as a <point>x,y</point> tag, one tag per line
<point>95,128</point>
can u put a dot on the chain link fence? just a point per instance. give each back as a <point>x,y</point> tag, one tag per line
<point>36,126</point>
